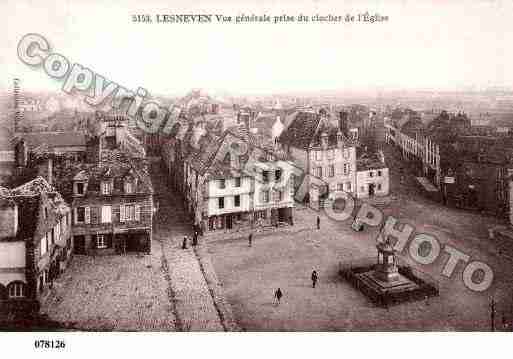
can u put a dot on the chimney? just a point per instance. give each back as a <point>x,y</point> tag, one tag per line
<point>342,123</point>
<point>340,139</point>
<point>324,140</point>
<point>8,218</point>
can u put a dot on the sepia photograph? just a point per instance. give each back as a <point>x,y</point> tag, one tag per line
<point>258,166</point>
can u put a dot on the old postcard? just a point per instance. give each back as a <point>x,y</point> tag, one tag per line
<point>257,166</point>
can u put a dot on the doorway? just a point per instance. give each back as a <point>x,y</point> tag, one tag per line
<point>79,244</point>
<point>371,189</point>
<point>229,222</point>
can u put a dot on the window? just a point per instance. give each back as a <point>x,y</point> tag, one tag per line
<point>80,215</point>
<point>345,169</point>
<point>318,155</point>
<point>222,184</point>
<point>237,201</point>
<point>279,196</point>
<point>106,187</point>
<point>129,187</point>
<point>340,186</point>
<point>371,174</point>
<point>80,188</point>
<point>331,171</point>
<point>100,241</point>
<point>44,245</point>
<point>220,202</point>
<point>362,189</point>
<point>277,175</point>
<point>16,290</point>
<point>52,236</point>
<point>265,176</point>
<point>237,182</point>
<point>331,154</point>
<point>379,173</point>
<point>106,214</point>
<point>348,186</point>
<point>265,197</point>
<point>379,186</point>
<point>345,153</point>
<point>129,212</point>
<point>260,215</point>
<point>318,172</point>
<point>46,213</point>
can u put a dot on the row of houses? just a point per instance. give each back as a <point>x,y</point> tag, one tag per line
<point>221,193</point>
<point>468,170</point>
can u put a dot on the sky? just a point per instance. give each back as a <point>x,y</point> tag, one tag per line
<point>428,45</point>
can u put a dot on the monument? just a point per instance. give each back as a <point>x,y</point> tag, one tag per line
<point>386,282</point>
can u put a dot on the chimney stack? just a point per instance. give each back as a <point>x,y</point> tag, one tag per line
<point>342,123</point>
<point>324,140</point>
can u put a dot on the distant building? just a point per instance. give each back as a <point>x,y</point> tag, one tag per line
<point>35,243</point>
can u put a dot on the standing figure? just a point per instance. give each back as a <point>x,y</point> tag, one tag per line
<point>195,238</point>
<point>277,295</point>
<point>184,243</point>
<point>318,222</point>
<point>250,239</point>
<point>314,278</point>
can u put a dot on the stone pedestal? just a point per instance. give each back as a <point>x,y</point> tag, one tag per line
<point>386,269</point>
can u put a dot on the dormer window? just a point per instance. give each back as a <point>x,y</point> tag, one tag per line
<point>106,187</point>
<point>129,187</point>
<point>80,188</point>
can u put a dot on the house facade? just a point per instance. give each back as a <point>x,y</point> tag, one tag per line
<point>112,204</point>
<point>372,176</point>
<point>324,153</point>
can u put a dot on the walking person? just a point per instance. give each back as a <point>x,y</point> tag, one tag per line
<point>195,238</point>
<point>277,296</point>
<point>314,278</point>
<point>184,243</point>
<point>250,239</point>
<point>318,222</point>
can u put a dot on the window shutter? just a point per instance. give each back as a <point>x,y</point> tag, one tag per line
<point>121,213</point>
<point>75,215</point>
<point>137,212</point>
<point>261,196</point>
<point>87,215</point>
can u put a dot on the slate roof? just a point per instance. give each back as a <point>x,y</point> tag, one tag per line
<point>203,158</point>
<point>301,130</point>
<point>366,161</point>
<point>306,131</point>
<point>115,165</point>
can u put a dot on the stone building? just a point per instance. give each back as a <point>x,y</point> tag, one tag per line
<point>112,203</point>
<point>324,153</point>
<point>35,244</point>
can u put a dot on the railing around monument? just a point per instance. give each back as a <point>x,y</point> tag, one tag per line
<point>350,269</point>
